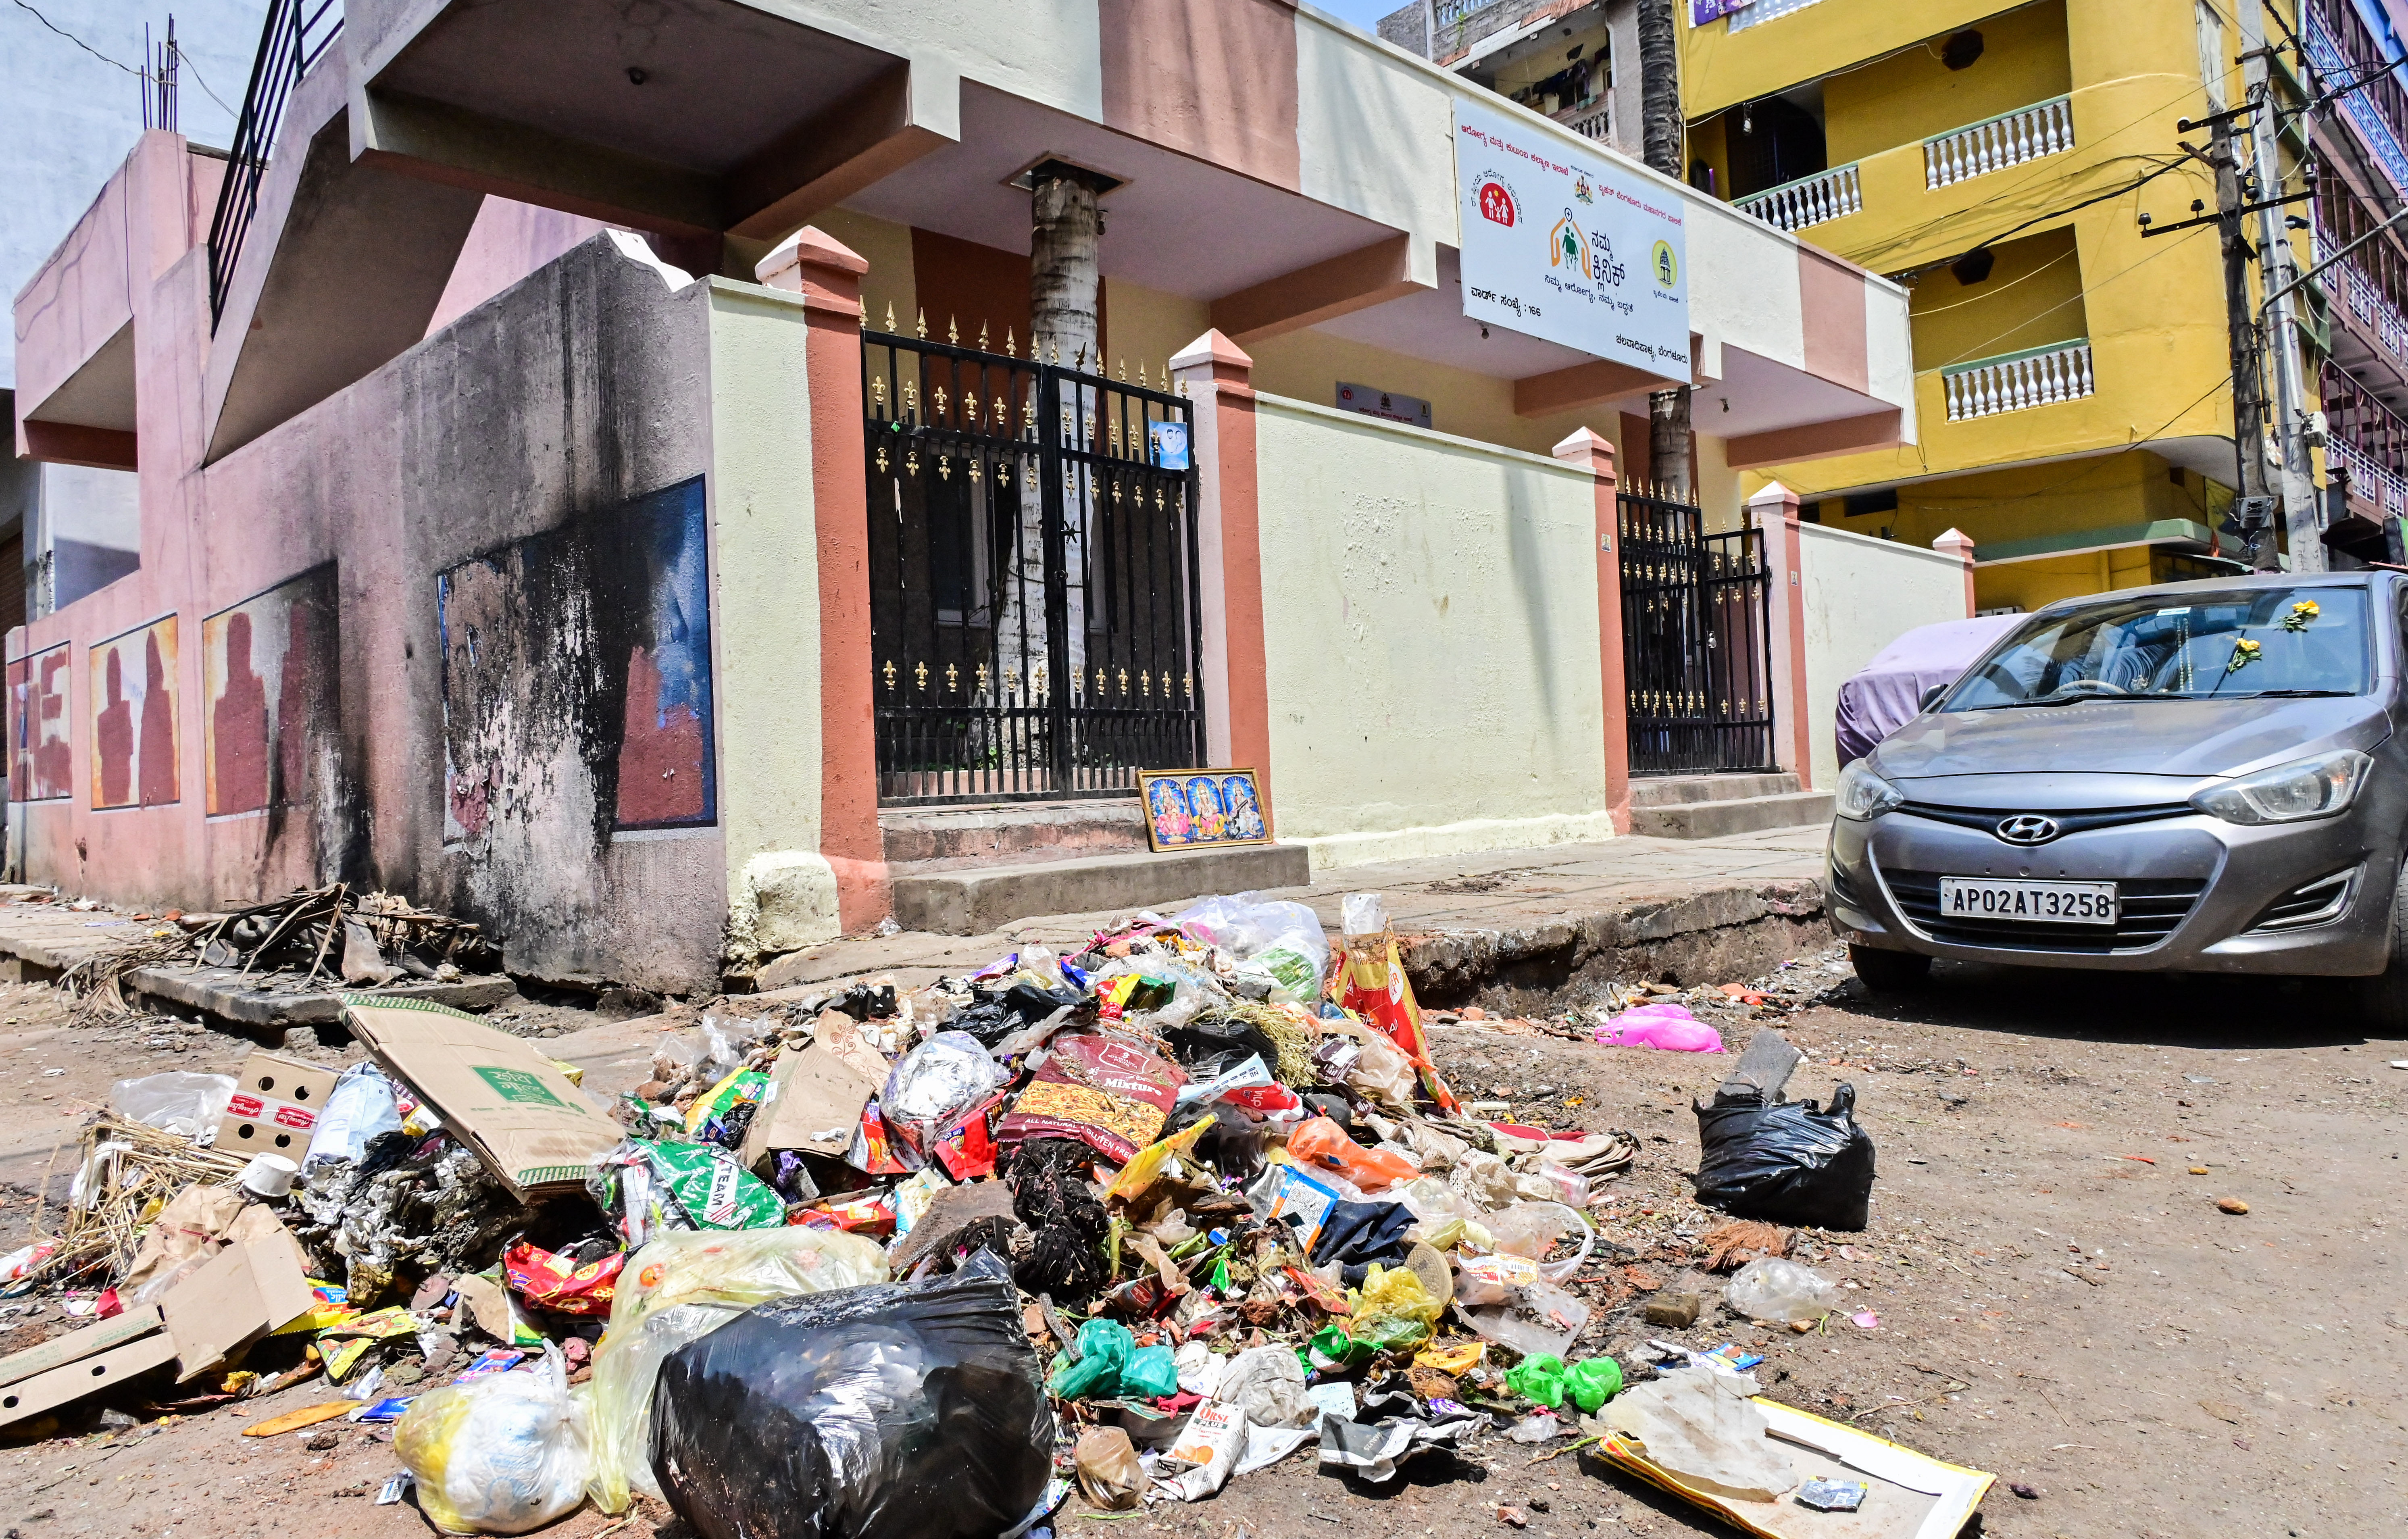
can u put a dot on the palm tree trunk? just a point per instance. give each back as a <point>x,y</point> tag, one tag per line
<point>1661,137</point>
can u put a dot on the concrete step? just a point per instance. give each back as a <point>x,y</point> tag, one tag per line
<point>1739,815</point>
<point>1674,790</point>
<point>949,898</point>
<point>985,830</point>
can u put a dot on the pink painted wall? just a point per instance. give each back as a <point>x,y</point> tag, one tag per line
<point>582,387</point>
<point>509,241</point>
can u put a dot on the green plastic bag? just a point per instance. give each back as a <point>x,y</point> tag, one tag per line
<point>1544,1378</point>
<point>1333,1348</point>
<point>1103,1346</point>
<point>1150,1373</point>
<point>715,1191</point>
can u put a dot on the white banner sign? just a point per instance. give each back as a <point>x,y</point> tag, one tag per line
<point>1567,249</point>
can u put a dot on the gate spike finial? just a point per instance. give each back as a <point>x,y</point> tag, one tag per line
<point>982,347</point>
<point>952,332</point>
<point>1141,374</point>
<point>921,325</point>
<point>1123,374</point>
<point>890,315</point>
<point>1009,350</point>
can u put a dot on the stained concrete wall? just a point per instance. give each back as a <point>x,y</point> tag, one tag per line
<point>503,448</point>
<point>1430,618</point>
<point>1861,594</point>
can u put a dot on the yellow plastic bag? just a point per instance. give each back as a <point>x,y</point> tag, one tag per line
<point>679,1288</point>
<point>504,1452</point>
<point>1452,1359</point>
<point>1146,1168</point>
<point>1392,1309</point>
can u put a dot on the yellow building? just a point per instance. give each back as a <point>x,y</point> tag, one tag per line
<point>2073,375</point>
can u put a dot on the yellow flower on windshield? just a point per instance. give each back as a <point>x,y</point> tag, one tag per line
<point>2302,612</point>
<point>2243,654</point>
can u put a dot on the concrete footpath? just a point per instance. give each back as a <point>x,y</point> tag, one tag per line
<point>1511,931</point>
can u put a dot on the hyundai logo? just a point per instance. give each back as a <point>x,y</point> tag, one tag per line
<point>2027,829</point>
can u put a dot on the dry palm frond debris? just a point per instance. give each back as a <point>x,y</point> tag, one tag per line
<point>96,980</point>
<point>1733,1245</point>
<point>129,1172</point>
<point>360,938</point>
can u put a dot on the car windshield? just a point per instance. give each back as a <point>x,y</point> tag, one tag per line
<point>2239,644</point>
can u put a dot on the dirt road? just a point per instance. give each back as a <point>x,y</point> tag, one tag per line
<point>2059,1297</point>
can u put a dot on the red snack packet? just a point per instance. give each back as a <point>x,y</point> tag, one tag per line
<point>1112,1093</point>
<point>868,1216</point>
<point>1378,991</point>
<point>966,1151</point>
<point>548,1282</point>
<point>874,1149</point>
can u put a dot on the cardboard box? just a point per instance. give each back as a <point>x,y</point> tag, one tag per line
<point>813,1104</point>
<point>535,1130</point>
<point>258,1283</point>
<point>275,1107</point>
<point>76,1346</point>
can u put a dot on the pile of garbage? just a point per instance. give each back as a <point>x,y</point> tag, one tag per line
<point>1143,1219</point>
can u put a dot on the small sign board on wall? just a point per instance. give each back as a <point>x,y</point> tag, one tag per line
<point>1387,404</point>
<point>1188,808</point>
<point>1570,248</point>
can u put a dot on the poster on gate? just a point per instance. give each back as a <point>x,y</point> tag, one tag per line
<point>1569,246</point>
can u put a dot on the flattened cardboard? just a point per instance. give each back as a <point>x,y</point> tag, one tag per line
<point>249,1291</point>
<point>76,1346</point>
<point>275,1106</point>
<point>535,1130</point>
<point>816,1102</point>
<point>48,1392</point>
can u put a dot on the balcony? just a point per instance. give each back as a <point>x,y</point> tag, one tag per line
<point>1810,200</point>
<point>2379,484</point>
<point>2342,51</point>
<point>2010,138</point>
<point>2018,381</point>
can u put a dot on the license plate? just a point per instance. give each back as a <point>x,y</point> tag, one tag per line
<point>2041,903</point>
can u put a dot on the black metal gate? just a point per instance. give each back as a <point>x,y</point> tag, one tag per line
<point>1034,614</point>
<point>1697,641</point>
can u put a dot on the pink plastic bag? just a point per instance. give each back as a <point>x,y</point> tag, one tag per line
<point>1669,1027</point>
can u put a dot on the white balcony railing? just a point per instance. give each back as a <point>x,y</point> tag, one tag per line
<point>1595,122</point>
<point>2385,488</point>
<point>1763,11</point>
<point>2014,382</point>
<point>2367,303</point>
<point>2010,138</point>
<point>1808,200</point>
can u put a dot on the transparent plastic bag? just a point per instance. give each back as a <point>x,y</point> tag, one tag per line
<point>929,1089</point>
<point>177,1102</point>
<point>1282,941</point>
<point>361,1106</point>
<point>1772,1290</point>
<point>503,1453</point>
<point>683,1287</point>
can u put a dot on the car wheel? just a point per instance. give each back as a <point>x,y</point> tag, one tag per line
<point>1889,972</point>
<point>2383,999</point>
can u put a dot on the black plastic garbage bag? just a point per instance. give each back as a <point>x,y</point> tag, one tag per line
<point>1355,1234</point>
<point>1790,1162</point>
<point>887,1412</point>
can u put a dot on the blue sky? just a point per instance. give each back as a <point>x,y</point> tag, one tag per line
<point>1363,13</point>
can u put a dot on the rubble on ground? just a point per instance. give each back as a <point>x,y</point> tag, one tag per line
<point>1131,1223</point>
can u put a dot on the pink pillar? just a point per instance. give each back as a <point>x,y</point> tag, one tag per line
<point>1586,451</point>
<point>1774,510</point>
<point>827,275</point>
<point>1956,542</point>
<point>1214,374</point>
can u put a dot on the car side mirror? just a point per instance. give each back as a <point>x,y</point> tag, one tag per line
<point>1931,697</point>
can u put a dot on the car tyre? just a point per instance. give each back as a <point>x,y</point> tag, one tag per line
<point>2383,999</point>
<point>1890,971</point>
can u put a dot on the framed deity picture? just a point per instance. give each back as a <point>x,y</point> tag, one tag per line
<point>1186,809</point>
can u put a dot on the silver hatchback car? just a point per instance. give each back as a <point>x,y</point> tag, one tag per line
<point>2203,777</point>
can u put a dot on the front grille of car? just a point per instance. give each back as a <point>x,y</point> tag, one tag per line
<point>2069,821</point>
<point>2145,914</point>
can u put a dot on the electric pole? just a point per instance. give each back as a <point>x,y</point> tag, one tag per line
<point>2249,378</point>
<point>2301,518</point>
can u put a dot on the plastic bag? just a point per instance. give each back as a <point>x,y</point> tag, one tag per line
<point>886,1412</point>
<point>1111,1364</point>
<point>1392,1310</point>
<point>177,1102</point>
<point>1142,1172</point>
<point>1321,1143</point>
<point>1548,1380</point>
<point>1772,1290</point>
<point>1281,941</point>
<point>502,1453</point>
<point>712,1187</point>
<point>1532,1229</point>
<point>1790,1162</point>
<point>1533,1319</point>
<point>361,1107</point>
<point>1378,991</point>
<point>1669,1027</point>
<point>1267,1383</point>
<point>1108,1474</point>
<point>684,1285</point>
<point>933,1085</point>
<point>1699,1424</point>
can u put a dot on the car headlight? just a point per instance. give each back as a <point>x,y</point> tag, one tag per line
<point>1864,795</point>
<point>2305,788</point>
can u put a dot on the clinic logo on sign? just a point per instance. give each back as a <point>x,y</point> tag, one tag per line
<point>1498,204</point>
<point>1567,246</point>
<point>1602,267</point>
<point>1667,265</point>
